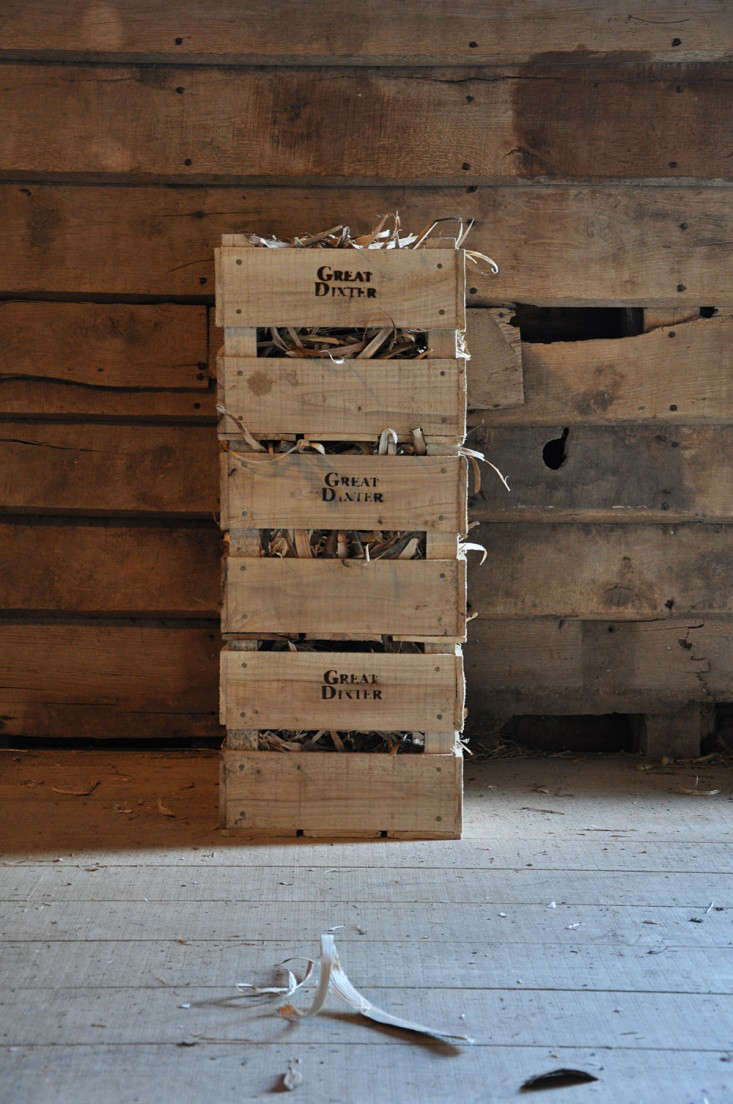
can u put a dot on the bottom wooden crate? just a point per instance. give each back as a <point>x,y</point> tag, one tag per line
<point>342,794</point>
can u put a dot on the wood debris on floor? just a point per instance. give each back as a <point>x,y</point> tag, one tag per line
<point>128,935</point>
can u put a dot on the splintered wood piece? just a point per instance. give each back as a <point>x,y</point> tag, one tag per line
<point>417,598</point>
<point>351,795</point>
<point>354,399</point>
<point>312,491</point>
<point>495,368</point>
<point>319,287</point>
<point>350,691</point>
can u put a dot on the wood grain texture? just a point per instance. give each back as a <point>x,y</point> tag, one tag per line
<point>108,567</point>
<point>422,31</point>
<point>323,794</point>
<point>677,373</point>
<point>636,993</point>
<point>422,598</point>
<point>495,375</point>
<point>311,491</point>
<point>93,359</point>
<point>558,246</point>
<point>61,681</point>
<point>620,572</point>
<point>535,666</point>
<point>226,124</point>
<point>90,468</point>
<point>421,289</point>
<point>359,397</point>
<point>612,473</point>
<point>335,690</point>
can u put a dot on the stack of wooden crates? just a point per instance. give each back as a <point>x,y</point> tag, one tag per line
<point>330,600</point>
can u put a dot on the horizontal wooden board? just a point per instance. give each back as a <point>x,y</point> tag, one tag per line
<point>88,568</point>
<point>81,681</point>
<point>615,473</point>
<point>677,373</point>
<point>574,667</point>
<point>322,794</point>
<point>312,491</point>
<point>421,31</point>
<point>401,962</point>
<point>144,346</point>
<point>86,1073</point>
<point>94,468</point>
<point>416,597</point>
<point>317,287</point>
<point>341,690</point>
<point>607,245</point>
<point>357,398</point>
<point>624,572</point>
<point>113,360</point>
<point>353,885</point>
<point>419,125</point>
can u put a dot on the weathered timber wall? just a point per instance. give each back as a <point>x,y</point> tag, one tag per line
<point>594,152</point>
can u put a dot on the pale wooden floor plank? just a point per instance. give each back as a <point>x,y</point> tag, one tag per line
<point>349,1074</point>
<point>291,884</point>
<point>155,963</point>
<point>441,923</point>
<point>687,1021</point>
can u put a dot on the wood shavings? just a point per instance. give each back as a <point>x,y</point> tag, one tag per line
<point>77,793</point>
<point>164,810</point>
<point>333,979</point>
<point>293,1078</point>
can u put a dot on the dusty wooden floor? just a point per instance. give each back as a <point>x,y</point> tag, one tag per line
<point>124,931</point>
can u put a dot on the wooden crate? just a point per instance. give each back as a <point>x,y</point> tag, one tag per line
<point>350,795</point>
<point>334,600</point>
<point>353,691</point>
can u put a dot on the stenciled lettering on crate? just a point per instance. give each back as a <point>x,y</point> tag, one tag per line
<point>421,289</point>
<point>348,691</point>
<point>309,490</point>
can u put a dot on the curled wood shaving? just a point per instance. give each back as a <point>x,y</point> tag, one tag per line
<point>333,979</point>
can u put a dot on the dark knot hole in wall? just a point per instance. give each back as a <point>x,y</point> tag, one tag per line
<point>554,452</point>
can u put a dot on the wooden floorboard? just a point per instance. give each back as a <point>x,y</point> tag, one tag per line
<point>584,920</point>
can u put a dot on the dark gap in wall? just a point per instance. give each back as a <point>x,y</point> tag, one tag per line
<point>545,324</point>
<point>544,734</point>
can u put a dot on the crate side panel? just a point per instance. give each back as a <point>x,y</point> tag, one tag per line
<point>323,287</point>
<point>328,794</point>
<point>274,396</point>
<point>419,598</point>
<point>352,691</point>
<point>312,491</point>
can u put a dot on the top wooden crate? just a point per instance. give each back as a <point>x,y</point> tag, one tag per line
<point>419,289</point>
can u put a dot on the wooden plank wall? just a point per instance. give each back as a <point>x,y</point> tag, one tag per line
<point>594,152</point>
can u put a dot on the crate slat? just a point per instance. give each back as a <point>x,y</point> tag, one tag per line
<point>350,691</point>
<point>357,398</point>
<point>414,598</point>
<point>291,287</point>
<point>342,795</point>
<point>312,491</point>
